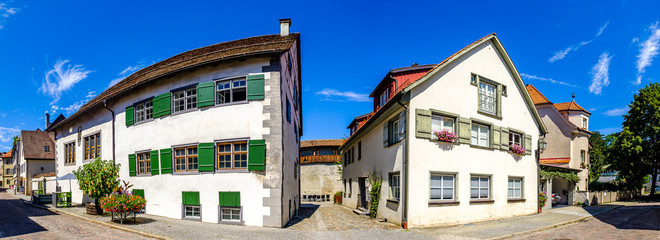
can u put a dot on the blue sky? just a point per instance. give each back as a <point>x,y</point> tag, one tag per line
<point>58,54</point>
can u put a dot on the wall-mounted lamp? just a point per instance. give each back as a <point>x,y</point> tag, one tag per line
<point>542,144</point>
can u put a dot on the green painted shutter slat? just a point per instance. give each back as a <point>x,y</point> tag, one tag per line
<point>205,94</point>
<point>131,164</point>
<point>495,142</point>
<point>130,115</point>
<point>221,198</point>
<point>229,199</point>
<point>504,139</point>
<point>255,87</point>
<point>165,161</point>
<point>162,105</point>
<point>423,123</point>
<point>206,157</point>
<point>499,100</point>
<point>528,144</point>
<point>190,198</point>
<point>139,192</point>
<point>256,155</point>
<point>464,130</point>
<point>154,162</point>
<point>236,199</point>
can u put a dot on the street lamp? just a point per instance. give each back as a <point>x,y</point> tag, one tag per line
<point>542,145</point>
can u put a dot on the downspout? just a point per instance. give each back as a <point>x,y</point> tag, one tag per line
<point>404,199</point>
<point>105,105</point>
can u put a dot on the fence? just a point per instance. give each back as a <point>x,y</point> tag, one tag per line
<point>595,198</point>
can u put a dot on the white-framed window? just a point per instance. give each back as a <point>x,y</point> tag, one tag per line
<point>234,90</point>
<point>394,131</point>
<point>515,138</point>
<point>487,97</point>
<point>515,188</point>
<point>442,187</point>
<point>439,123</point>
<point>383,98</point>
<point>192,211</point>
<point>480,135</point>
<point>583,158</point>
<point>584,122</point>
<point>230,214</point>
<point>395,186</point>
<point>143,111</point>
<point>184,99</point>
<point>480,187</point>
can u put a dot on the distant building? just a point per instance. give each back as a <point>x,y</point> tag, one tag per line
<point>7,169</point>
<point>319,175</point>
<point>35,154</point>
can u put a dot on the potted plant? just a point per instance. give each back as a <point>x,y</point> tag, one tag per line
<point>445,136</point>
<point>122,203</point>
<point>517,149</point>
<point>97,179</point>
<point>338,197</point>
<point>543,196</point>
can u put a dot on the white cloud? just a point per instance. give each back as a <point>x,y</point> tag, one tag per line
<point>561,54</point>
<point>528,76</point>
<point>62,77</point>
<point>617,111</point>
<point>7,134</point>
<point>600,74</point>
<point>334,95</point>
<point>5,13</point>
<point>73,107</point>
<point>648,49</point>
<point>126,72</point>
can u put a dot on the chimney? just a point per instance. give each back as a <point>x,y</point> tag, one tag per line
<point>285,24</point>
<point>47,120</point>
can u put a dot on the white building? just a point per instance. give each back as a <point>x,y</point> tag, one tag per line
<point>211,134</point>
<point>476,93</point>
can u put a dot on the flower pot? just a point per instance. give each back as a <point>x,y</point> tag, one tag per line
<point>93,209</point>
<point>540,209</point>
<point>338,199</point>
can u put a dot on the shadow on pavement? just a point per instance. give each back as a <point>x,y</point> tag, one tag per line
<point>15,218</point>
<point>306,211</point>
<point>641,217</point>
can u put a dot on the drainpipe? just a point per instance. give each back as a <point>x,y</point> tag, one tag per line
<point>105,105</point>
<point>404,199</point>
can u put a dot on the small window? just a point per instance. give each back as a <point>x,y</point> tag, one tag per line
<point>480,187</point>
<point>395,186</point>
<point>185,159</point>
<point>192,211</point>
<point>231,214</point>
<point>583,158</point>
<point>45,148</point>
<point>584,123</point>
<point>515,138</point>
<point>442,187</point>
<point>359,150</point>
<point>515,188</point>
<point>93,146</point>
<point>69,153</point>
<point>350,187</point>
<point>184,100</point>
<point>288,111</point>
<point>143,111</point>
<point>480,135</point>
<point>383,97</point>
<point>232,155</point>
<point>439,123</point>
<point>487,98</point>
<point>144,163</point>
<point>231,91</point>
<point>394,131</point>
<point>473,79</point>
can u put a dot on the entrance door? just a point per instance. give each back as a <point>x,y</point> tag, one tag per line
<point>363,192</point>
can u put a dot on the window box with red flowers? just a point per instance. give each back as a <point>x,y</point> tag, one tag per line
<point>517,149</point>
<point>445,136</point>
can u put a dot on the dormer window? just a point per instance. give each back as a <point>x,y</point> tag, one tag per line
<point>383,98</point>
<point>45,148</point>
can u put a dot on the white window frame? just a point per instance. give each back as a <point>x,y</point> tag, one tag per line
<point>394,134</point>
<point>144,111</point>
<point>193,207</point>
<point>221,215</point>
<point>487,97</point>
<point>242,84</point>
<point>512,138</point>
<point>475,139</point>
<point>440,119</point>
<point>442,187</point>
<point>479,187</point>
<point>395,186</point>
<point>513,188</point>
<point>189,99</point>
<point>585,122</point>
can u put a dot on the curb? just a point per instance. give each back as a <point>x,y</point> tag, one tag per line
<point>552,226</point>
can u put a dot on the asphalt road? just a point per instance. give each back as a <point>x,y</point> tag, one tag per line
<point>640,221</point>
<point>21,221</point>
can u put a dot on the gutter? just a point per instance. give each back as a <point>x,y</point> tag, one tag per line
<point>404,199</point>
<point>105,105</point>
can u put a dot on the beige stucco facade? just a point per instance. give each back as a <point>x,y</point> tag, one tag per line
<point>317,179</point>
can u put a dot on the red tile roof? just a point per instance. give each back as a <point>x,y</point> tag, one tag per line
<point>322,142</point>
<point>570,106</point>
<point>536,96</point>
<point>7,155</point>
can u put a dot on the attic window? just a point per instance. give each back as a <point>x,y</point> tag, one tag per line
<point>45,148</point>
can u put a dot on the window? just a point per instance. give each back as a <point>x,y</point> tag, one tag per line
<point>192,211</point>
<point>232,155</point>
<point>70,153</point>
<point>350,187</point>
<point>143,111</point>
<point>442,187</point>
<point>143,163</point>
<point>359,150</point>
<point>93,146</point>
<point>383,98</point>
<point>584,122</point>
<point>295,95</point>
<point>480,135</point>
<point>439,123</point>
<point>295,130</point>
<point>515,138</point>
<point>395,186</point>
<point>288,111</point>
<point>394,131</point>
<point>185,159</point>
<point>479,187</point>
<point>583,158</point>
<point>234,90</point>
<point>352,154</point>
<point>487,98</point>
<point>473,79</point>
<point>184,100</point>
<point>232,214</point>
<point>45,148</point>
<point>515,187</point>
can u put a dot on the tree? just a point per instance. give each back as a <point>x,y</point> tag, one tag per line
<point>597,155</point>
<point>626,156</point>
<point>98,179</point>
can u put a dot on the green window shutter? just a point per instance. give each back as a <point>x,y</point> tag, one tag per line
<point>205,94</point>
<point>423,123</point>
<point>206,157</point>
<point>139,192</point>
<point>129,115</point>
<point>255,87</point>
<point>504,139</point>
<point>495,141</point>
<point>162,105</point>
<point>166,161</point>
<point>386,134</point>
<point>230,199</point>
<point>131,164</point>
<point>190,198</point>
<point>499,100</point>
<point>464,130</point>
<point>154,162</point>
<point>528,144</point>
<point>256,155</point>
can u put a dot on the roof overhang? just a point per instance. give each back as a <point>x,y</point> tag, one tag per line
<point>551,167</point>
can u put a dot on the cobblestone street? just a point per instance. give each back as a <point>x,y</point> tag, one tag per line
<point>328,216</point>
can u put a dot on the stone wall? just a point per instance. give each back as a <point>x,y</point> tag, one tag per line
<point>319,179</point>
